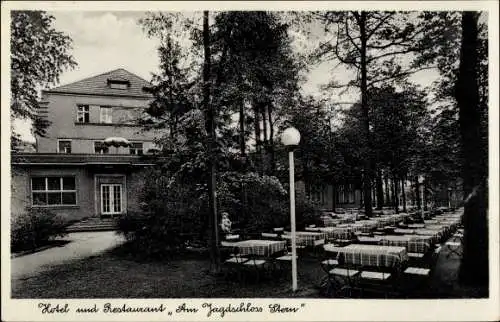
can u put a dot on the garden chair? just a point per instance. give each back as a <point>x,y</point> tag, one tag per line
<point>342,277</point>
<point>377,279</point>
<point>414,279</point>
<point>257,265</point>
<point>454,245</point>
<point>270,236</point>
<point>235,262</point>
<point>232,237</point>
<point>318,246</point>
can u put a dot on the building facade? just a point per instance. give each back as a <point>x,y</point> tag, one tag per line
<point>75,171</point>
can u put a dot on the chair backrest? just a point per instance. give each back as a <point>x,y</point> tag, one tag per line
<point>269,235</point>
<point>318,242</point>
<point>279,229</point>
<point>232,237</point>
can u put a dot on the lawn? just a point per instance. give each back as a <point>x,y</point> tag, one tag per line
<point>115,275</point>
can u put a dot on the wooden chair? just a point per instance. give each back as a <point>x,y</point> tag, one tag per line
<point>413,279</point>
<point>257,264</point>
<point>270,236</point>
<point>234,264</point>
<point>376,279</point>
<point>342,277</point>
<point>454,245</point>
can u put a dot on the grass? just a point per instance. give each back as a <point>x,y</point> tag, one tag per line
<point>117,275</point>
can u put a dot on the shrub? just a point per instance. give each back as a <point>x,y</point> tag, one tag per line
<point>257,202</point>
<point>175,213</point>
<point>35,228</point>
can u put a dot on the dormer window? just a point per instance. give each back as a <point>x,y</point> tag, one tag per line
<point>118,84</point>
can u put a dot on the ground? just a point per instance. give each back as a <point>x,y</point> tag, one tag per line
<point>81,245</point>
<point>98,271</point>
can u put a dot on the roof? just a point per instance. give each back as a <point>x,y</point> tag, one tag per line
<point>98,85</point>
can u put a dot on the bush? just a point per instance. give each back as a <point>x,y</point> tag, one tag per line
<point>256,202</point>
<point>175,214</point>
<point>35,228</point>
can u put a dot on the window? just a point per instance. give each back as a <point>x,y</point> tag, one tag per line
<point>106,114</point>
<point>64,146</point>
<point>345,194</point>
<point>119,84</point>
<point>100,147</point>
<point>82,114</point>
<point>317,194</point>
<point>53,191</point>
<point>136,148</point>
<point>111,198</point>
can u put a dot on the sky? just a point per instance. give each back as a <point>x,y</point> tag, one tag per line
<point>103,41</point>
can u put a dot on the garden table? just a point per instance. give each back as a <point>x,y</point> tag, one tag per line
<point>305,238</point>
<point>370,255</point>
<point>338,232</point>
<point>260,247</point>
<point>369,240</point>
<point>413,243</point>
<point>404,231</point>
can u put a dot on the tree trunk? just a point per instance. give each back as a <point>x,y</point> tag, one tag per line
<point>210,128</point>
<point>272,158</point>
<point>403,193</point>
<point>241,120</point>
<point>334,196</point>
<point>265,145</point>
<point>380,190</point>
<point>388,199</point>
<point>258,142</point>
<point>474,267</point>
<point>396,193</point>
<point>417,193</point>
<point>366,121</point>
<point>425,194</point>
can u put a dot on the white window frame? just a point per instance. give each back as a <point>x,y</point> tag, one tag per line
<point>46,191</point>
<point>95,147</point>
<point>112,187</point>
<point>106,114</point>
<point>81,111</point>
<point>119,85</point>
<point>135,149</point>
<point>64,140</point>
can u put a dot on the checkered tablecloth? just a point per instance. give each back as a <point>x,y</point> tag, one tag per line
<point>260,247</point>
<point>366,226</point>
<point>332,222</point>
<point>429,232</point>
<point>339,232</point>
<point>305,238</point>
<point>413,243</point>
<point>370,255</point>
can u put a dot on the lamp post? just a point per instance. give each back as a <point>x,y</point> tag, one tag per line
<point>291,138</point>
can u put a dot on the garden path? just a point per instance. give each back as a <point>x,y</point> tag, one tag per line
<point>81,245</point>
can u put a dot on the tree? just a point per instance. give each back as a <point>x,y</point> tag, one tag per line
<point>258,76</point>
<point>39,54</point>
<point>474,268</point>
<point>373,45</point>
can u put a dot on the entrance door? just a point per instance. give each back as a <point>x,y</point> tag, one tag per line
<point>111,199</point>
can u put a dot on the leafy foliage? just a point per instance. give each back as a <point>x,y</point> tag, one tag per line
<point>39,54</point>
<point>174,212</point>
<point>35,228</point>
